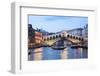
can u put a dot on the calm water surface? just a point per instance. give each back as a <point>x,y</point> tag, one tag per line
<point>47,53</point>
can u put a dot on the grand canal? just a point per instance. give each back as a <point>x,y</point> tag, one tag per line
<point>47,53</point>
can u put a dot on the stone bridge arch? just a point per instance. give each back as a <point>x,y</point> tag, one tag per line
<point>51,39</point>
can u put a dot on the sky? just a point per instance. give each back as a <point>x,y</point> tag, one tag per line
<point>57,23</point>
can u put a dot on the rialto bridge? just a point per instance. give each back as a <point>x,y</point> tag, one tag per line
<point>71,39</point>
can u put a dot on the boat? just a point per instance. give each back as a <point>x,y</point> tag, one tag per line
<point>78,46</point>
<point>58,48</point>
<point>59,45</point>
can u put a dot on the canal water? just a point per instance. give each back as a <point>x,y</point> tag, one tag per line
<point>47,53</point>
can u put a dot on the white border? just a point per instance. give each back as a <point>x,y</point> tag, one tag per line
<point>19,38</point>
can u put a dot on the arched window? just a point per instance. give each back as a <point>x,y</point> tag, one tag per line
<point>50,38</point>
<point>68,36</point>
<point>44,39</point>
<point>76,38</point>
<point>73,37</point>
<point>53,37</point>
<point>56,36</point>
<point>79,38</point>
<point>60,35</point>
<point>47,38</point>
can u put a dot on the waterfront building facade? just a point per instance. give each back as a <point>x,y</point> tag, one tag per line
<point>85,31</point>
<point>38,37</point>
<point>44,33</point>
<point>76,31</point>
<point>34,37</point>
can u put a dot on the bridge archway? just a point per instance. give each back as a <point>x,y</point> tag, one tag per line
<point>60,35</point>
<point>48,39</point>
<point>65,40</point>
<point>53,40</point>
<point>56,36</point>
<point>68,36</point>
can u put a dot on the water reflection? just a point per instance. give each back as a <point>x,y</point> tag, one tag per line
<point>47,53</point>
<point>64,53</point>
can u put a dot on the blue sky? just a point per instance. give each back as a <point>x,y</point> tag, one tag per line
<point>57,23</point>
